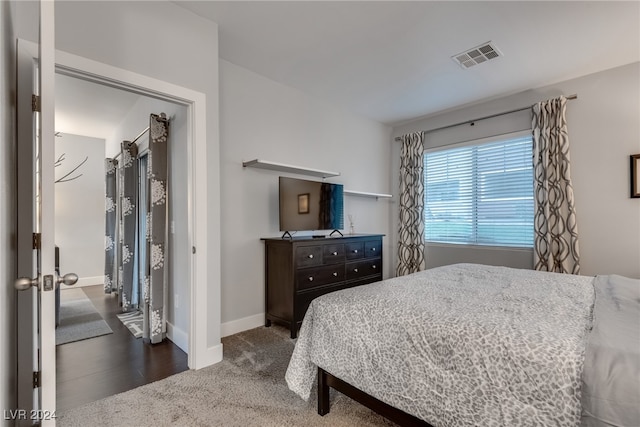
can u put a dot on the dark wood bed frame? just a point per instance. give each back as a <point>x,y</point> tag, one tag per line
<point>326,380</point>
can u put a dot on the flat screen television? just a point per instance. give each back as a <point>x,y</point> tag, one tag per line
<point>310,205</point>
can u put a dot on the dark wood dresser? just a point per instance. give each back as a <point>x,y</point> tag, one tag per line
<point>300,269</point>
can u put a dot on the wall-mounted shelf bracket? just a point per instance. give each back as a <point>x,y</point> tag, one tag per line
<point>281,167</point>
<point>367,194</point>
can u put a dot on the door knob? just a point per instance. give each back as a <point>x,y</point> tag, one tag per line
<point>68,279</point>
<point>24,283</point>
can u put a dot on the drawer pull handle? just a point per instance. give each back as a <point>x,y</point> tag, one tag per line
<point>355,270</point>
<point>334,253</point>
<point>373,249</point>
<point>374,266</point>
<point>310,256</point>
<point>355,251</point>
<point>335,274</point>
<point>311,278</point>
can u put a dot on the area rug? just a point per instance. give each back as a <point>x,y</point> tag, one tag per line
<point>133,322</point>
<point>246,389</point>
<point>79,319</point>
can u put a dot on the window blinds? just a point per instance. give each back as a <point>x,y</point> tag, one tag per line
<point>480,194</point>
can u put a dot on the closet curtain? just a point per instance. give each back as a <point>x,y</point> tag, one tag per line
<point>111,220</point>
<point>129,223</point>
<point>126,219</point>
<point>555,227</point>
<point>411,221</point>
<point>154,283</point>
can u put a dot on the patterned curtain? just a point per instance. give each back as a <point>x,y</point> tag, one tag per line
<point>129,223</point>
<point>411,228</point>
<point>111,220</point>
<point>154,284</point>
<point>555,228</point>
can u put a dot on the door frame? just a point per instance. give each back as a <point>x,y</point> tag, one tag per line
<point>199,355</point>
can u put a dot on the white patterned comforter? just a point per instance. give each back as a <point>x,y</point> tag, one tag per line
<point>461,345</point>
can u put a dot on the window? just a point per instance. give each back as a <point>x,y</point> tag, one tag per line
<point>480,194</point>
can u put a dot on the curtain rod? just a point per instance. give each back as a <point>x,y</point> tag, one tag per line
<point>574,96</point>
<point>140,134</point>
<point>134,140</point>
<point>161,116</point>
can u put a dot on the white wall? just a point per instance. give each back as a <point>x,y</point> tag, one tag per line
<point>179,253</point>
<point>166,42</point>
<point>79,208</point>
<point>260,118</point>
<point>7,211</point>
<point>604,129</point>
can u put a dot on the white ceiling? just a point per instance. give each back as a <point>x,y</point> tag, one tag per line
<point>390,61</point>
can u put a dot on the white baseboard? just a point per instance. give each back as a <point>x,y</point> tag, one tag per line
<point>178,337</point>
<point>85,281</point>
<point>244,324</point>
<point>181,339</point>
<point>212,356</point>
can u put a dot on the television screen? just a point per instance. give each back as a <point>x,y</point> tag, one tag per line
<point>310,205</point>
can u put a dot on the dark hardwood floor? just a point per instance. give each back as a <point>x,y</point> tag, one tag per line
<point>99,367</point>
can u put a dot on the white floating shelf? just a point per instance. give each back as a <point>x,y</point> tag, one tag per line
<point>366,194</point>
<point>265,164</point>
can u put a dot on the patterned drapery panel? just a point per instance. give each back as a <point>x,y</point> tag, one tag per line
<point>555,228</point>
<point>154,284</point>
<point>411,223</point>
<point>111,220</point>
<point>128,220</point>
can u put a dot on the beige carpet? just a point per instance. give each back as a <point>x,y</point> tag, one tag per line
<point>246,389</point>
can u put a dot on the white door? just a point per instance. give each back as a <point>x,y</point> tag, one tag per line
<point>35,240</point>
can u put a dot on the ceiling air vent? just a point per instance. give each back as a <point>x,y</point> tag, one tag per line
<point>479,54</point>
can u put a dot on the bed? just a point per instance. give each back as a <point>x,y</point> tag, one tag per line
<point>468,345</point>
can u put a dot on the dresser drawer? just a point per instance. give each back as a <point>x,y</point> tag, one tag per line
<point>354,250</point>
<point>308,256</point>
<point>307,278</point>
<point>369,267</point>
<point>333,254</point>
<point>372,249</point>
